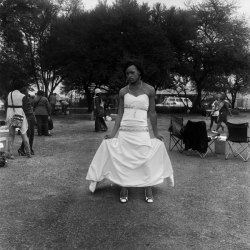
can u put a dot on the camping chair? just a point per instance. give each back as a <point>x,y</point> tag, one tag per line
<point>176,129</point>
<point>195,137</point>
<point>238,140</point>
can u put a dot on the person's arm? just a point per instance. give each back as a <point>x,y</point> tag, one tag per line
<point>152,113</point>
<point>119,115</point>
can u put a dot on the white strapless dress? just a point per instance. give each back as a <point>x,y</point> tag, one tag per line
<point>133,159</point>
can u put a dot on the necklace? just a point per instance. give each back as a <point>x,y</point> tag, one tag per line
<point>132,90</point>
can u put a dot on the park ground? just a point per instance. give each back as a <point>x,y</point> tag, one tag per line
<point>45,202</point>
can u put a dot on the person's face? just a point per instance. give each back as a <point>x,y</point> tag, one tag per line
<point>132,74</point>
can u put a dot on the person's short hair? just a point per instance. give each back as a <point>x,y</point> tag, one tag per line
<point>136,64</point>
<point>17,84</point>
<point>40,92</point>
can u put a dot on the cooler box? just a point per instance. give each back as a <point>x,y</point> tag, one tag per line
<point>220,145</point>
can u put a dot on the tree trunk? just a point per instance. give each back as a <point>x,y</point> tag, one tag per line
<point>46,89</point>
<point>233,95</point>
<point>197,103</point>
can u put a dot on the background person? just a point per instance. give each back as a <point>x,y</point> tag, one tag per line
<point>31,119</point>
<point>52,101</point>
<point>100,124</point>
<point>42,112</point>
<point>214,113</point>
<point>15,106</point>
<point>65,106</point>
<point>224,111</point>
<point>133,159</point>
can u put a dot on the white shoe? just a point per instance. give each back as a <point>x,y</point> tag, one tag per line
<point>171,178</point>
<point>92,186</point>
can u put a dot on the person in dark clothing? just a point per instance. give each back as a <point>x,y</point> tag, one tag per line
<point>31,119</point>
<point>65,106</point>
<point>100,125</point>
<point>42,112</point>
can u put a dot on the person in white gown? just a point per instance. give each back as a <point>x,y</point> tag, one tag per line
<point>132,159</point>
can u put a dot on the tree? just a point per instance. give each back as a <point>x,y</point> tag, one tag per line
<point>101,40</point>
<point>216,38</point>
<point>26,25</point>
<point>14,63</point>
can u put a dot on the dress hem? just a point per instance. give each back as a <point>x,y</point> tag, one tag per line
<point>140,185</point>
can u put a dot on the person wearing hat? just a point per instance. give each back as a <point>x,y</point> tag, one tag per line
<point>100,125</point>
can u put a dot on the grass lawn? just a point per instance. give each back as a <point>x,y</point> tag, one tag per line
<point>45,202</point>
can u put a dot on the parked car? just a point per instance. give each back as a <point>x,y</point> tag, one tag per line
<point>176,102</point>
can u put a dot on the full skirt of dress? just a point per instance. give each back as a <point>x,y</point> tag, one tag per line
<point>131,160</point>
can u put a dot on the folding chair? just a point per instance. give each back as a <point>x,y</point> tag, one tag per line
<point>238,141</point>
<point>195,137</point>
<point>176,129</point>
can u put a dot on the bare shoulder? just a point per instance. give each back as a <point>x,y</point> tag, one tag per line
<point>149,89</point>
<point>123,91</point>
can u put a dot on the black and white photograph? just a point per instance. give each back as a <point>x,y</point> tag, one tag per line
<point>124,124</point>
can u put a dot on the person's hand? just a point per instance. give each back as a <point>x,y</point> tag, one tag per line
<point>108,137</point>
<point>159,137</point>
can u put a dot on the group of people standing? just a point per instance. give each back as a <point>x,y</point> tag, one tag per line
<point>32,112</point>
<point>219,113</point>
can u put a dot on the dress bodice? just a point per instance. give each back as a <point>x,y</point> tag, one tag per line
<point>135,111</point>
<point>136,102</point>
